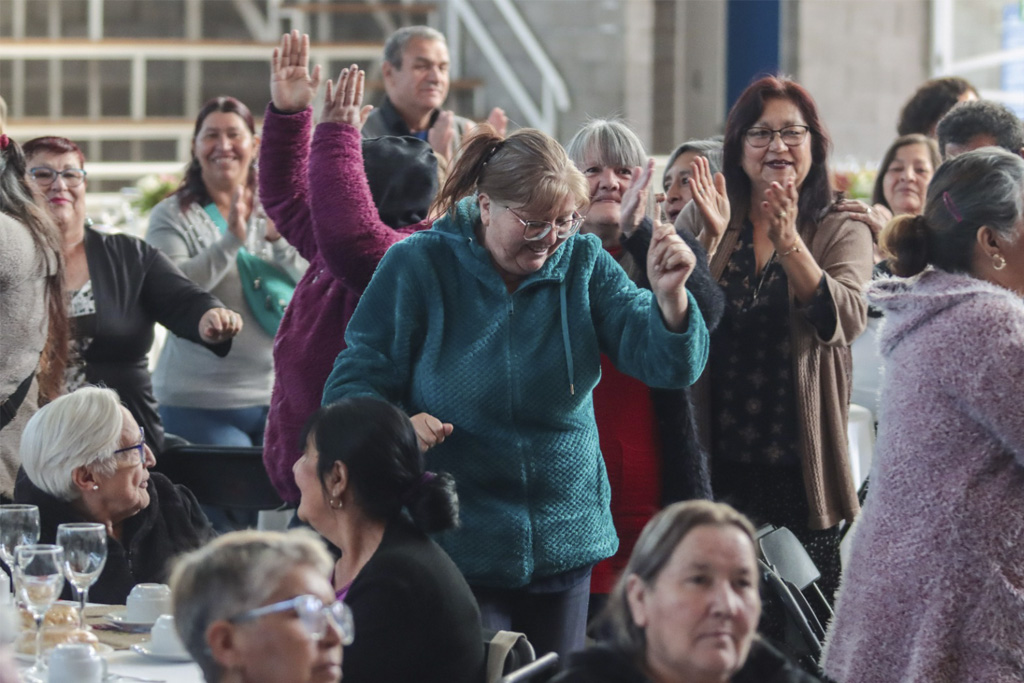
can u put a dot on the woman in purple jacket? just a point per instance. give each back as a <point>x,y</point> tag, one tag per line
<point>324,204</point>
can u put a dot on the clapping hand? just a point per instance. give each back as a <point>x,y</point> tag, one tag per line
<point>780,205</point>
<point>634,200</point>
<point>344,100</point>
<point>710,196</point>
<point>441,135</point>
<point>292,87</point>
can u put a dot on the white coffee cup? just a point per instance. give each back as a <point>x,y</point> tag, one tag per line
<point>76,662</point>
<point>146,602</point>
<point>164,639</point>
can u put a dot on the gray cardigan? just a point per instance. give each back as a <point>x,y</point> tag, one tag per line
<point>186,373</point>
<point>23,330</point>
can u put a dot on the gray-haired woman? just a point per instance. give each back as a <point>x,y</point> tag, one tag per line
<point>686,608</point>
<point>86,460</point>
<point>676,180</point>
<point>256,607</point>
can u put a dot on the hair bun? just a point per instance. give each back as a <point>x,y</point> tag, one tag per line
<point>905,240</point>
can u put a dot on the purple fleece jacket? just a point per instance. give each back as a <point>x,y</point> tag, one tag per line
<point>321,203</point>
<point>934,588</point>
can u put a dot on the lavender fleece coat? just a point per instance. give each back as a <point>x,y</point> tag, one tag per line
<point>934,589</point>
<point>321,203</point>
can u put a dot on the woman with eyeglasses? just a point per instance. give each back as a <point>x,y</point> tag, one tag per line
<point>85,459</point>
<point>256,607</point>
<point>774,403</point>
<point>365,488</point>
<point>488,331</point>
<point>119,286</point>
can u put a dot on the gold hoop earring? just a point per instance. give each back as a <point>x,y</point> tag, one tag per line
<point>998,262</point>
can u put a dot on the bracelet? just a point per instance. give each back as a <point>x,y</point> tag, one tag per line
<point>792,250</point>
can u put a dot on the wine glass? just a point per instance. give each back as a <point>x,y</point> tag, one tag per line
<point>40,572</point>
<point>19,525</point>
<point>85,554</point>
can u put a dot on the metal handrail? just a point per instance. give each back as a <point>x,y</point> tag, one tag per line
<point>554,96</point>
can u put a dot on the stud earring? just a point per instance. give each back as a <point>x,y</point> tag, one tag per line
<point>95,487</point>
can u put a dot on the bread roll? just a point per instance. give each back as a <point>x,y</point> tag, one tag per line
<point>54,636</point>
<point>57,615</point>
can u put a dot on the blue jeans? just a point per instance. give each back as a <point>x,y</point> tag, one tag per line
<point>552,612</point>
<point>228,427</point>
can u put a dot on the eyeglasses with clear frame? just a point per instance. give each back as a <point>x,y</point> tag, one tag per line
<point>315,616</point>
<point>140,446</point>
<point>792,136</point>
<point>534,231</point>
<point>44,176</point>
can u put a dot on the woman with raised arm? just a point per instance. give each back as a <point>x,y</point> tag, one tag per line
<point>774,403</point>
<point>344,246</point>
<point>488,330</point>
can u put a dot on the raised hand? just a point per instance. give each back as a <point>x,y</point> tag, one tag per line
<point>219,324</point>
<point>292,87</point>
<point>429,430</point>
<point>441,135</point>
<point>343,102</point>
<point>498,120</point>
<point>634,199</point>
<point>669,264</point>
<point>711,198</point>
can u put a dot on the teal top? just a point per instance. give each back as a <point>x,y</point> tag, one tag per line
<point>438,332</point>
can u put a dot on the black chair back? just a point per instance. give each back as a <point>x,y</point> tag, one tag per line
<point>221,476</point>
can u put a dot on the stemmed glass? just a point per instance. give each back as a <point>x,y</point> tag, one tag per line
<point>19,525</point>
<point>40,572</point>
<point>85,554</point>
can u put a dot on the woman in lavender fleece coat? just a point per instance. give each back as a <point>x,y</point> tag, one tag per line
<point>321,202</point>
<point>934,589</point>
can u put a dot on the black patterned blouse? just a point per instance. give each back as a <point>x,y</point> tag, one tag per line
<point>753,398</point>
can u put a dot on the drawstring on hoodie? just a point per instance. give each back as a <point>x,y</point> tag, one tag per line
<point>565,336</point>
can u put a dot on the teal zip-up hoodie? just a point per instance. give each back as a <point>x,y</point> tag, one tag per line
<point>437,331</point>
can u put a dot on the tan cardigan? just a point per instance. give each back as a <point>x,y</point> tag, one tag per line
<point>822,367</point>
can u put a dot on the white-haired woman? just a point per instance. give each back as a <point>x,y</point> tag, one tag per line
<point>255,606</point>
<point>86,460</point>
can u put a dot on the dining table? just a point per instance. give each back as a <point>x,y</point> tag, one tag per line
<point>123,664</point>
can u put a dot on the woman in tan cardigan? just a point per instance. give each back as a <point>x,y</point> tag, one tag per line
<point>774,401</point>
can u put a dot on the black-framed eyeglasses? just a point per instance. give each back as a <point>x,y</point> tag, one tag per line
<point>46,176</point>
<point>538,230</point>
<point>315,616</point>
<point>140,446</point>
<point>762,137</point>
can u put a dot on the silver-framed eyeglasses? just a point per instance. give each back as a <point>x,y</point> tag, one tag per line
<point>44,176</point>
<point>140,446</point>
<point>791,136</point>
<point>315,616</point>
<point>534,231</point>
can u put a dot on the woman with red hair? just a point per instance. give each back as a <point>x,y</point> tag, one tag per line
<point>774,402</point>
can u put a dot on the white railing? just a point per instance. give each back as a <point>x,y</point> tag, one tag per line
<point>554,96</point>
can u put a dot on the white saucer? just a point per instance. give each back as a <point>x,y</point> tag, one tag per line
<point>119,619</point>
<point>102,649</point>
<point>145,649</point>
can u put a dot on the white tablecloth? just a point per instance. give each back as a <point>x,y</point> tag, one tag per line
<point>131,664</point>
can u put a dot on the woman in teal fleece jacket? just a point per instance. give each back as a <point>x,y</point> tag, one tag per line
<point>488,329</point>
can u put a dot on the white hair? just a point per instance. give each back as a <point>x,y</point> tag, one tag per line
<point>235,573</point>
<point>80,429</point>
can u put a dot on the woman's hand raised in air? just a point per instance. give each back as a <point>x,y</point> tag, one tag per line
<point>710,197</point>
<point>344,100</point>
<point>292,87</point>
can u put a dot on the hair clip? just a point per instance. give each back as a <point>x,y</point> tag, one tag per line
<point>4,141</point>
<point>951,207</point>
